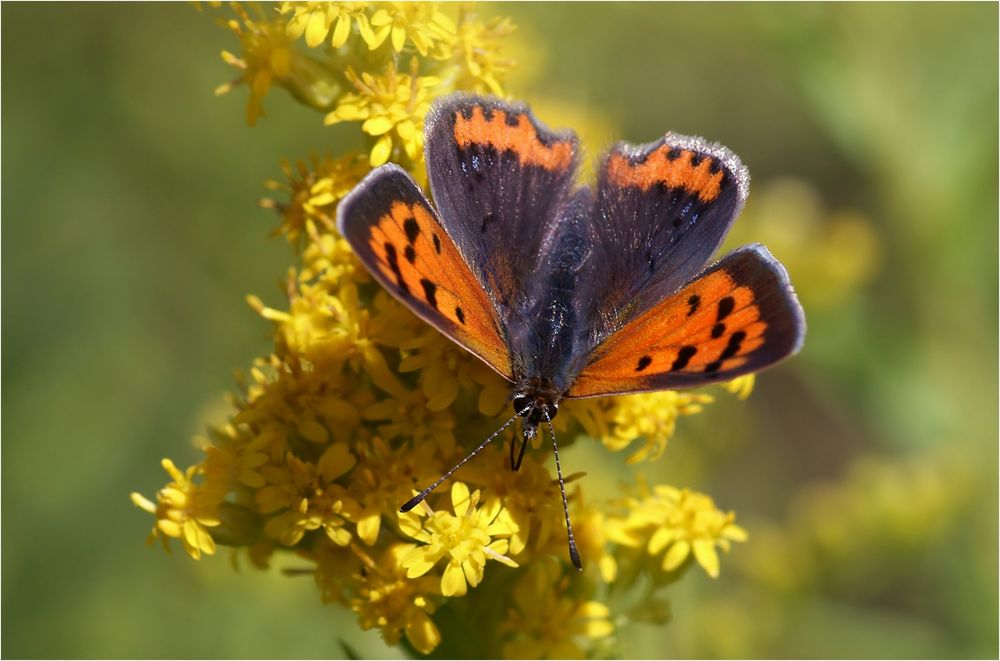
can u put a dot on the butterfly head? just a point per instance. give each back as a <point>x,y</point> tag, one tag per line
<point>535,399</point>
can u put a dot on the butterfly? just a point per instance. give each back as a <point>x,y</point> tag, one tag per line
<point>569,291</point>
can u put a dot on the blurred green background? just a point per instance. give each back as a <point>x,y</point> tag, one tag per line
<point>865,469</point>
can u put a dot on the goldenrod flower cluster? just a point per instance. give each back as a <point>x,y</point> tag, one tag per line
<point>360,403</point>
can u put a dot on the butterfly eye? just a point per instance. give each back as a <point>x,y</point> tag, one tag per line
<point>520,404</point>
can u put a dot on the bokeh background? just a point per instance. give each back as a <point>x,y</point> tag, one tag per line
<point>865,469</point>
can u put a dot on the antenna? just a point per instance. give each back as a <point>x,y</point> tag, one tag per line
<point>573,554</point>
<point>416,500</point>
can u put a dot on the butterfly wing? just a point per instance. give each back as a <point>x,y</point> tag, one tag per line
<point>396,234</point>
<point>499,179</point>
<point>739,316</point>
<point>661,211</point>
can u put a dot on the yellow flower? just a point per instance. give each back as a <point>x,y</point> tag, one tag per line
<point>420,23</point>
<point>181,512</point>
<point>315,20</point>
<point>650,417</point>
<point>331,328</point>
<point>741,386</point>
<point>545,622</point>
<point>336,569</point>
<point>314,189</point>
<point>392,108</point>
<point>465,539</point>
<point>267,56</point>
<point>680,522</point>
<point>445,369</point>
<point>395,604</point>
<point>407,416</point>
<point>385,478</point>
<point>530,498</point>
<point>478,45</point>
<point>306,498</point>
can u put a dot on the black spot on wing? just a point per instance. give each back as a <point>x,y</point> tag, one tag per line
<point>726,306</point>
<point>430,292</point>
<point>393,259</point>
<point>684,356</point>
<point>735,340</point>
<point>412,229</point>
<point>718,330</point>
<point>643,363</point>
<point>437,243</point>
<point>410,254</point>
<point>460,315</point>
<point>693,304</point>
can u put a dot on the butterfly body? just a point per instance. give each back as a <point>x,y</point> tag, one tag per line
<point>571,292</point>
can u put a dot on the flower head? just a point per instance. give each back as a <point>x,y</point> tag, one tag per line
<point>391,108</point>
<point>181,512</point>
<point>316,20</point>
<point>313,191</point>
<point>305,497</point>
<point>465,539</point>
<point>651,417</point>
<point>680,522</point>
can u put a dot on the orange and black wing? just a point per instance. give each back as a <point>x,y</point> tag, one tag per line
<point>501,181</point>
<point>661,210</point>
<point>396,234</point>
<point>738,316</point>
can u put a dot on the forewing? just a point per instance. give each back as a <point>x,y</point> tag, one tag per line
<point>739,316</point>
<point>498,177</point>
<point>396,234</point>
<point>661,211</point>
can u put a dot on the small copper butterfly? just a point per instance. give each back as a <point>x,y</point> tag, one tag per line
<point>573,292</point>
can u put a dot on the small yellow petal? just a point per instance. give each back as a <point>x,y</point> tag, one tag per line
<point>316,29</point>
<point>453,581</point>
<point>142,502</point>
<point>381,151</point>
<point>677,554</point>
<point>422,633</point>
<point>460,498</point>
<point>707,556</point>
<point>377,125</point>
<point>398,38</point>
<point>609,568</point>
<point>659,540</point>
<point>341,31</point>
